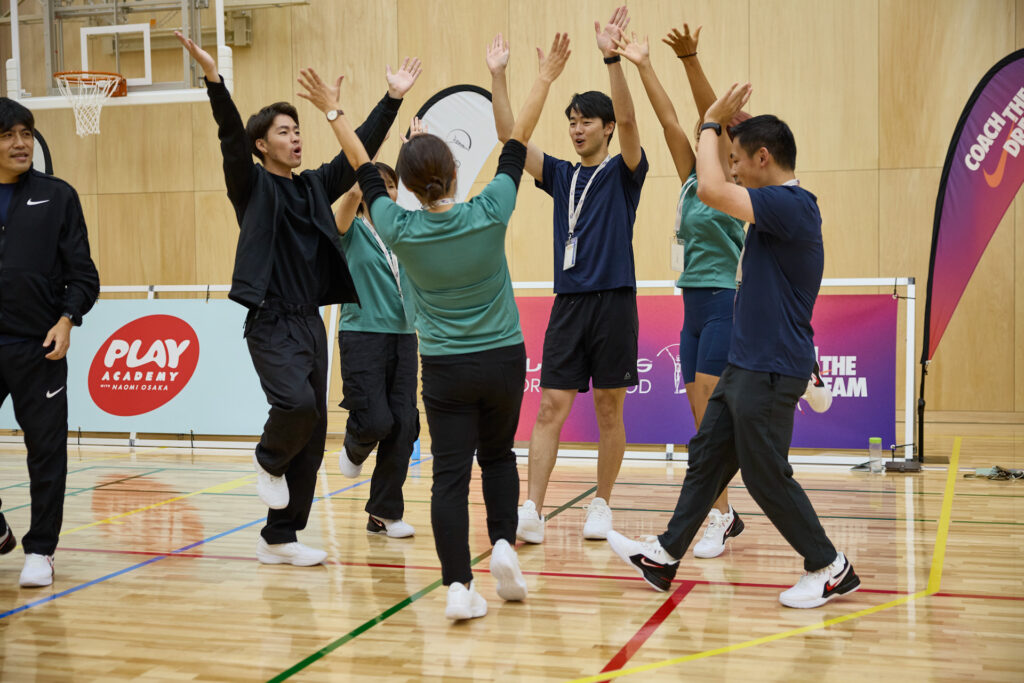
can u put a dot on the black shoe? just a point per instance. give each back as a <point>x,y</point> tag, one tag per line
<point>7,540</point>
<point>654,564</point>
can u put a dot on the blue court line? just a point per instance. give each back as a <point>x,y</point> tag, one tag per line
<point>75,589</point>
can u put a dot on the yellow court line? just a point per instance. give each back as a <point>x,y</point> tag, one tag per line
<point>216,488</point>
<point>934,581</point>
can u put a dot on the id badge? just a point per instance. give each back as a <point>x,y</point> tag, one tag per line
<point>676,255</point>
<point>570,253</point>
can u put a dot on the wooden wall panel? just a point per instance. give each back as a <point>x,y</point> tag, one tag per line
<point>147,238</point>
<point>932,53</point>
<point>150,150</point>
<point>1018,302</point>
<point>216,236</point>
<point>74,158</point>
<point>819,73</point>
<point>90,209</point>
<point>848,201</point>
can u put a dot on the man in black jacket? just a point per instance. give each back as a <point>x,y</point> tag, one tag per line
<point>47,283</point>
<point>288,262</point>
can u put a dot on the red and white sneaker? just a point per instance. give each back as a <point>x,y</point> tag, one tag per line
<point>720,528</point>
<point>818,396</point>
<point>814,589</point>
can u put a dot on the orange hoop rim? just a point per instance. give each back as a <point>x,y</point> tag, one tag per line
<point>87,76</point>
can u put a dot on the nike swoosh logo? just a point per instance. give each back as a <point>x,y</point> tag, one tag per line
<point>51,394</point>
<point>835,581</point>
<point>996,176</point>
<point>648,563</point>
<point>32,203</point>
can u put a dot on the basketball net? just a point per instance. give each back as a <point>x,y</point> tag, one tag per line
<point>88,92</point>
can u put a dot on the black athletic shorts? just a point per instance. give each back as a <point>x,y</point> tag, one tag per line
<point>591,336</point>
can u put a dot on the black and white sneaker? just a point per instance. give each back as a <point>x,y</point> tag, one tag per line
<point>7,540</point>
<point>654,564</point>
<point>392,528</point>
<point>814,589</point>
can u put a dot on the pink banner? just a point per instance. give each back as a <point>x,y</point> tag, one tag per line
<point>855,337</point>
<point>983,171</point>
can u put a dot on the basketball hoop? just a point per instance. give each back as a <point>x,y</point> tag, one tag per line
<point>87,92</point>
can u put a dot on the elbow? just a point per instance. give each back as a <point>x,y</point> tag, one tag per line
<point>709,194</point>
<point>704,194</point>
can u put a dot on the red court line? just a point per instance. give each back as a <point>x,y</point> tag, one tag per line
<point>650,626</point>
<point>558,575</point>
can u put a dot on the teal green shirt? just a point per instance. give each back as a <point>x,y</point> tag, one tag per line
<point>382,306</point>
<point>712,241</point>
<point>458,275</point>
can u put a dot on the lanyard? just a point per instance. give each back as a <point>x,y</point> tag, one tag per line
<point>391,258</point>
<point>574,208</point>
<point>690,183</point>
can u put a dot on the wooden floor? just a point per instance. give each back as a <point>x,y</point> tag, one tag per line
<point>157,579</point>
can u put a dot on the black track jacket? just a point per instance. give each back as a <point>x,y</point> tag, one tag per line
<point>253,194</point>
<point>45,266</point>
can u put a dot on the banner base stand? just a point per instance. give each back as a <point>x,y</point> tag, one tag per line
<point>902,466</point>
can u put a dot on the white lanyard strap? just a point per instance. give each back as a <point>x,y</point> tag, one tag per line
<point>690,183</point>
<point>391,258</point>
<point>574,208</point>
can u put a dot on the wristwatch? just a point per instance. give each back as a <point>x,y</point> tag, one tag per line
<point>334,114</point>
<point>717,127</point>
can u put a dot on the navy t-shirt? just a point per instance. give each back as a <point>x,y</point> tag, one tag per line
<point>604,231</point>
<point>6,192</point>
<point>782,263</point>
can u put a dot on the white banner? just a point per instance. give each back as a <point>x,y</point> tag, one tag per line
<point>161,366</point>
<point>461,116</point>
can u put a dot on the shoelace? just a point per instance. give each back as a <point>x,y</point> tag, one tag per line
<point>601,511</point>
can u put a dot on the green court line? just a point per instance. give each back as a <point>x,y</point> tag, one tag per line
<point>327,649</point>
<point>880,519</point>
<point>25,483</point>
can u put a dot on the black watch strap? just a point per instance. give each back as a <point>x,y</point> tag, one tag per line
<point>717,127</point>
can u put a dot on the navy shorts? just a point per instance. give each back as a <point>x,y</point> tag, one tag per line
<point>593,335</point>
<point>707,329</point>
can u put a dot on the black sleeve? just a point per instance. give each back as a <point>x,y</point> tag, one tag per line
<point>81,281</point>
<point>512,160</point>
<point>371,183</point>
<point>239,168</point>
<point>337,175</point>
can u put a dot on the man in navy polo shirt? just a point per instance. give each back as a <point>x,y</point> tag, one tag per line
<point>593,329</point>
<point>748,424</point>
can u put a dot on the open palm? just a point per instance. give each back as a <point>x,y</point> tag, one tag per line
<point>399,82</point>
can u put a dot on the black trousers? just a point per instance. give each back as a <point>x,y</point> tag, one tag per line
<point>378,373</point>
<point>289,351</point>
<point>748,425</point>
<point>38,388</point>
<point>472,402</point>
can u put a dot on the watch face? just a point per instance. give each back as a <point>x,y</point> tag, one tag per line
<point>332,114</point>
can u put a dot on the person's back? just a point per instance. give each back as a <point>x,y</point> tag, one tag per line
<point>456,264</point>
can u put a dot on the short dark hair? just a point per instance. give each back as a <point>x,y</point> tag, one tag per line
<point>385,172</point>
<point>427,167</point>
<point>770,132</point>
<point>259,123</point>
<point>593,105</point>
<point>13,113</point>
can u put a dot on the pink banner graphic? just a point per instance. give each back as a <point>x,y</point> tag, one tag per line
<point>983,171</point>
<point>855,337</point>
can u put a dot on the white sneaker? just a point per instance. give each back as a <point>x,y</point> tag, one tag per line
<point>531,524</point>
<point>506,572</point>
<point>392,528</point>
<point>273,491</point>
<point>599,520</point>
<point>816,588</point>
<point>38,571</point>
<point>464,603</point>
<point>348,468</point>
<point>818,395</point>
<point>720,527</point>
<point>288,553</point>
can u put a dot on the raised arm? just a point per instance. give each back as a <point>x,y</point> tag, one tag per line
<point>678,142</point>
<point>239,168</point>
<point>504,120</point>
<point>324,97</point>
<point>685,46</point>
<point>625,116</point>
<point>347,209</point>
<point>713,188</point>
<point>551,66</point>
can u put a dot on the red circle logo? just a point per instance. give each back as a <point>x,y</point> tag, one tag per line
<point>143,365</point>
